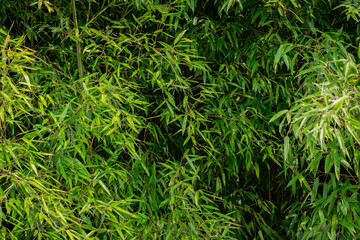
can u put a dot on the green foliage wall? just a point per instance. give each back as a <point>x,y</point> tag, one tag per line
<point>186,119</point>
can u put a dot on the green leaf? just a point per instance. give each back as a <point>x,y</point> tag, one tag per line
<point>64,112</point>
<point>314,190</point>
<point>278,55</point>
<point>338,103</point>
<point>105,188</point>
<point>277,115</point>
<point>328,163</point>
<point>286,148</point>
<point>177,39</point>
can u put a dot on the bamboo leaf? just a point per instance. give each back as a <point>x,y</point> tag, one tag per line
<point>277,115</point>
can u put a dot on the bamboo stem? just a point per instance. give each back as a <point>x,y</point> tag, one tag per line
<point>78,47</point>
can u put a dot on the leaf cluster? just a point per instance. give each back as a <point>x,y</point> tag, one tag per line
<point>185,119</point>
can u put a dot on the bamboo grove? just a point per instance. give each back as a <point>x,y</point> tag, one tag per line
<point>183,119</point>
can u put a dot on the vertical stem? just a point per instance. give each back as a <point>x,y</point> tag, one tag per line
<point>78,48</point>
<point>32,29</point>
<point>269,185</point>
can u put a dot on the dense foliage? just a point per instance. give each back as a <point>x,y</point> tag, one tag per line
<point>184,119</point>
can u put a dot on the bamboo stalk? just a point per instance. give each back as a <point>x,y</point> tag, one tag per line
<point>78,47</point>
